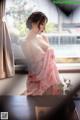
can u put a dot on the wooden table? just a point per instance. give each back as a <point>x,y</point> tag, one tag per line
<point>27,108</point>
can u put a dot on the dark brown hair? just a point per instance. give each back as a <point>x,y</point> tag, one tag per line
<point>36,17</point>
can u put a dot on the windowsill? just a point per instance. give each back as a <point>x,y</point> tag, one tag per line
<point>62,67</point>
<point>68,67</point>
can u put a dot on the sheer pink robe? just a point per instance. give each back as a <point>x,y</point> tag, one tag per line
<point>43,74</point>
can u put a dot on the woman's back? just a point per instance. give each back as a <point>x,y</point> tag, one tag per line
<point>34,49</point>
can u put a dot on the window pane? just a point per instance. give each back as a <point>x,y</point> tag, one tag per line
<point>63,32</point>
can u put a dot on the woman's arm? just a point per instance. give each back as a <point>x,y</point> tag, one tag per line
<point>45,38</point>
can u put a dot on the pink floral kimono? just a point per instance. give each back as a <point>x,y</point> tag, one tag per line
<point>44,76</point>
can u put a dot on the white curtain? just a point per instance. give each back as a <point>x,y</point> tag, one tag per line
<point>6,56</point>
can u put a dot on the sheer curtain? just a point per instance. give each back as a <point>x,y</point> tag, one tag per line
<point>6,56</point>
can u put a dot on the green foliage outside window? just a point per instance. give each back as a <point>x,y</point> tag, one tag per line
<point>19,12</point>
<point>50,27</point>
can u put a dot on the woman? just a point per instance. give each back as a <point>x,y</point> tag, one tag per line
<point>43,77</point>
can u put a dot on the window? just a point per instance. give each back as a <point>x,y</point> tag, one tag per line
<point>63,32</point>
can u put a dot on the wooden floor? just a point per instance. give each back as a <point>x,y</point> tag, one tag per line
<point>30,108</point>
